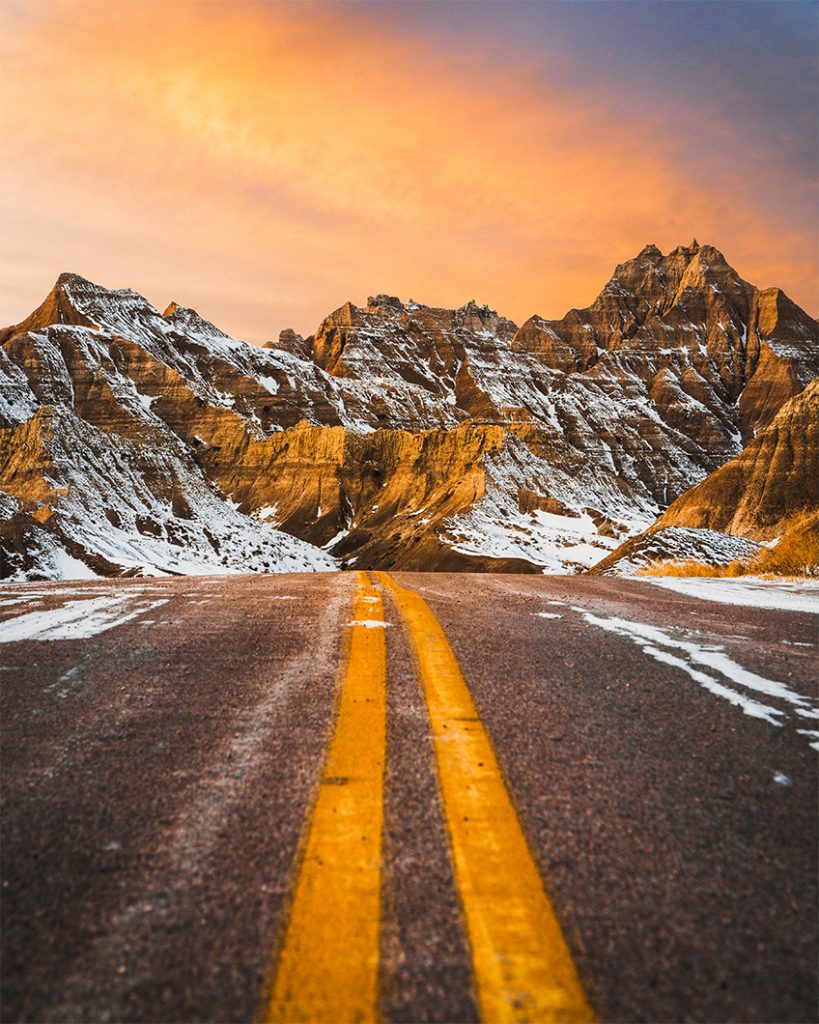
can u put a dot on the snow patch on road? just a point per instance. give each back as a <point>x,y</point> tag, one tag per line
<point>688,656</point>
<point>812,735</point>
<point>750,707</point>
<point>75,620</point>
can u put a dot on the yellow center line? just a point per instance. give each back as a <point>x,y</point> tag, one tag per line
<point>522,966</point>
<point>327,968</point>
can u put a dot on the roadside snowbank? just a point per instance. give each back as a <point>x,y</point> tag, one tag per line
<point>749,591</point>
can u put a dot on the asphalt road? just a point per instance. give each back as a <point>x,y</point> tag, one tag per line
<point>166,746</point>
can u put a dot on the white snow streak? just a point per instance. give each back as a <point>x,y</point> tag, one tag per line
<point>688,656</point>
<point>75,620</point>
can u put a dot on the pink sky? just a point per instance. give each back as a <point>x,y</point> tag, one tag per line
<point>266,162</point>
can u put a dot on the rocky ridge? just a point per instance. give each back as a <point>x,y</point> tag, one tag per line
<point>768,492</point>
<point>398,435</point>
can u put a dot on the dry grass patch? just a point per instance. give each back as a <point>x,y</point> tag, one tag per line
<point>673,567</point>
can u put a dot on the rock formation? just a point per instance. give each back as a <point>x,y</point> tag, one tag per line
<point>398,435</point>
<point>767,492</point>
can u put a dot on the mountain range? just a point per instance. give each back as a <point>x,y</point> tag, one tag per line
<point>672,415</point>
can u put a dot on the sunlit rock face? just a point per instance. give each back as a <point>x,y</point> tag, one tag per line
<point>699,338</point>
<point>767,492</point>
<point>773,482</point>
<point>397,436</point>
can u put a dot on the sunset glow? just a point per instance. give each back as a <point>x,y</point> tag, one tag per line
<point>266,162</point>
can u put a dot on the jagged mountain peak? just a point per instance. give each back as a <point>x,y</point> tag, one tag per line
<point>650,268</point>
<point>185,319</point>
<point>69,277</point>
<point>58,307</point>
<point>399,434</point>
<point>649,251</point>
<point>76,301</point>
<point>381,300</point>
<point>689,307</point>
<point>84,293</point>
<point>415,340</point>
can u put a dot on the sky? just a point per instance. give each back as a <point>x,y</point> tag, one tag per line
<point>265,162</point>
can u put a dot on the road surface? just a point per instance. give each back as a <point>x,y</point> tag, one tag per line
<point>419,797</point>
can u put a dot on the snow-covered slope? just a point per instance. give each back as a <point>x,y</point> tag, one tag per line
<point>399,435</point>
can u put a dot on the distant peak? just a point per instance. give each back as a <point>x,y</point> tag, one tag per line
<point>291,341</point>
<point>175,311</point>
<point>690,250</point>
<point>650,251</point>
<point>85,289</point>
<point>343,315</point>
<point>66,304</point>
<point>374,301</point>
<point>482,309</point>
<point>711,253</point>
<point>184,318</point>
<point>68,278</point>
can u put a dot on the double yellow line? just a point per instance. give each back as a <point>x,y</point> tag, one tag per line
<point>326,969</point>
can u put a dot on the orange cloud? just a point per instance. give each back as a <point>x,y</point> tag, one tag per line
<point>267,162</point>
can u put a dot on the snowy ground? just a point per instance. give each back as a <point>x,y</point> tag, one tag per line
<point>749,591</point>
<point>78,619</point>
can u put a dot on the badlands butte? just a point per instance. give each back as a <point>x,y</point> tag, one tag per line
<point>674,417</point>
